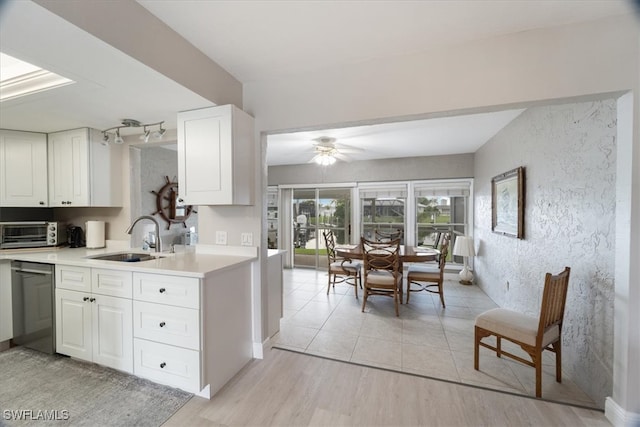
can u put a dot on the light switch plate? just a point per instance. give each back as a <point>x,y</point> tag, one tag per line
<point>246,239</point>
<point>221,237</point>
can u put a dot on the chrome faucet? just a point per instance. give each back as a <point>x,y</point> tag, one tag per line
<point>140,218</point>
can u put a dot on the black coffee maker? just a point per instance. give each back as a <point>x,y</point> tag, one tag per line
<point>75,236</point>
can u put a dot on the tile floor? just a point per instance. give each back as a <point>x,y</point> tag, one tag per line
<point>425,340</point>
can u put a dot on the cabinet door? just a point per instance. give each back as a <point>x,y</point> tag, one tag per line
<point>73,324</point>
<point>112,332</point>
<point>23,169</point>
<point>215,156</point>
<point>69,168</point>
<point>73,278</point>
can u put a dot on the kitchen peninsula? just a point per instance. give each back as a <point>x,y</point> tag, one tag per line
<point>181,319</point>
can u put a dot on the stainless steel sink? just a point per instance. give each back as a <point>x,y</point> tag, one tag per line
<point>125,257</point>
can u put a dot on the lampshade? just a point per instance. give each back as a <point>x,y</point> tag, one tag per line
<point>464,246</point>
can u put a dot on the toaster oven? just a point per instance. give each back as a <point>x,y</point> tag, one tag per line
<point>32,234</point>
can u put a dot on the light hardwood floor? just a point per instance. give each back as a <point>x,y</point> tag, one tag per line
<point>292,389</point>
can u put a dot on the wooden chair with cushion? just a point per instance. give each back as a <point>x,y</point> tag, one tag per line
<point>429,276</point>
<point>382,275</point>
<point>341,269</point>
<point>531,334</point>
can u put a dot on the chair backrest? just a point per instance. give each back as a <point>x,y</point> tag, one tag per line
<point>554,298</point>
<point>444,252</point>
<point>330,243</point>
<point>381,255</point>
<point>436,239</point>
<point>388,236</point>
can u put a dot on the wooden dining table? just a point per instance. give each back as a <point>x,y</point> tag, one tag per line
<point>407,254</point>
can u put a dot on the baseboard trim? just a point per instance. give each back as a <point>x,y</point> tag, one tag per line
<point>618,416</point>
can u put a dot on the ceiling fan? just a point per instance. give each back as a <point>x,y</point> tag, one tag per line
<point>327,151</point>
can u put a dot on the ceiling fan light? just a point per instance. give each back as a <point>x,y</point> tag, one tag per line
<point>325,159</point>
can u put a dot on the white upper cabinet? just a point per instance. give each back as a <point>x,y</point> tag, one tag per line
<point>216,156</point>
<point>23,169</point>
<point>83,171</point>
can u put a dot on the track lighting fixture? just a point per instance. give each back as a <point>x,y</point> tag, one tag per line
<point>131,123</point>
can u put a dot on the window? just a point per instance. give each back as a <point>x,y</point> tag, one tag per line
<point>382,208</point>
<point>441,207</point>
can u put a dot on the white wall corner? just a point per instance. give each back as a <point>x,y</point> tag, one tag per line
<point>618,417</point>
<point>258,349</point>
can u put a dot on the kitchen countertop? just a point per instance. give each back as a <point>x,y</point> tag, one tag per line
<point>199,263</point>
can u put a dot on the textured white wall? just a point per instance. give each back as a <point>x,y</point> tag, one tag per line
<point>569,152</point>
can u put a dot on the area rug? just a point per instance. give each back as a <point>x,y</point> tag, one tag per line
<point>38,388</point>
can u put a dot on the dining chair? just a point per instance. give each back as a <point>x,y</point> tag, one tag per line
<point>435,241</point>
<point>388,236</point>
<point>533,335</point>
<point>382,275</point>
<point>429,276</point>
<point>341,268</point>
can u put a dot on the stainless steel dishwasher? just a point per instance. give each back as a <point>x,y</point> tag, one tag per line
<point>33,305</point>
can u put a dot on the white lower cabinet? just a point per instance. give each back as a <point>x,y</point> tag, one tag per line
<point>185,332</point>
<point>6,314</point>
<point>92,326</point>
<point>166,329</point>
<point>166,364</point>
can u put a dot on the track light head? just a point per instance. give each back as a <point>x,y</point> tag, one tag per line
<point>145,136</point>
<point>118,139</point>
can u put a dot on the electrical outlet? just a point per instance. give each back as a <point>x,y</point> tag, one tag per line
<point>246,239</point>
<point>221,237</point>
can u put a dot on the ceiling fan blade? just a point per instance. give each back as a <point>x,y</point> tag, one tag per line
<point>342,157</point>
<point>348,148</point>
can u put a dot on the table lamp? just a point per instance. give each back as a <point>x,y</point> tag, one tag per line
<point>464,247</point>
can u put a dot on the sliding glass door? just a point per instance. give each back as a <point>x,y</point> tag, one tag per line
<point>318,210</point>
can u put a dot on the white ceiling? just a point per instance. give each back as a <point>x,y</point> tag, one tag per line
<point>259,40</point>
<point>110,85</point>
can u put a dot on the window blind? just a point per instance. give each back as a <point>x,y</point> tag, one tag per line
<point>384,191</point>
<point>449,188</point>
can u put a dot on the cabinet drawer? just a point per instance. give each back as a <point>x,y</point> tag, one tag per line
<point>73,278</point>
<point>115,283</point>
<point>171,290</point>
<point>165,364</point>
<point>177,326</point>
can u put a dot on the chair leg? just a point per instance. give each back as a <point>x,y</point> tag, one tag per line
<point>557,346</point>
<point>538,366</point>
<point>408,290</point>
<point>364,298</point>
<point>355,284</point>
<point>329,282</point>
<point>396,296</point>
<point>441,292</point>
<point>476,350</point>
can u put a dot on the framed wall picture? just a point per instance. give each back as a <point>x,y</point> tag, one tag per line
<point>507,203</point>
